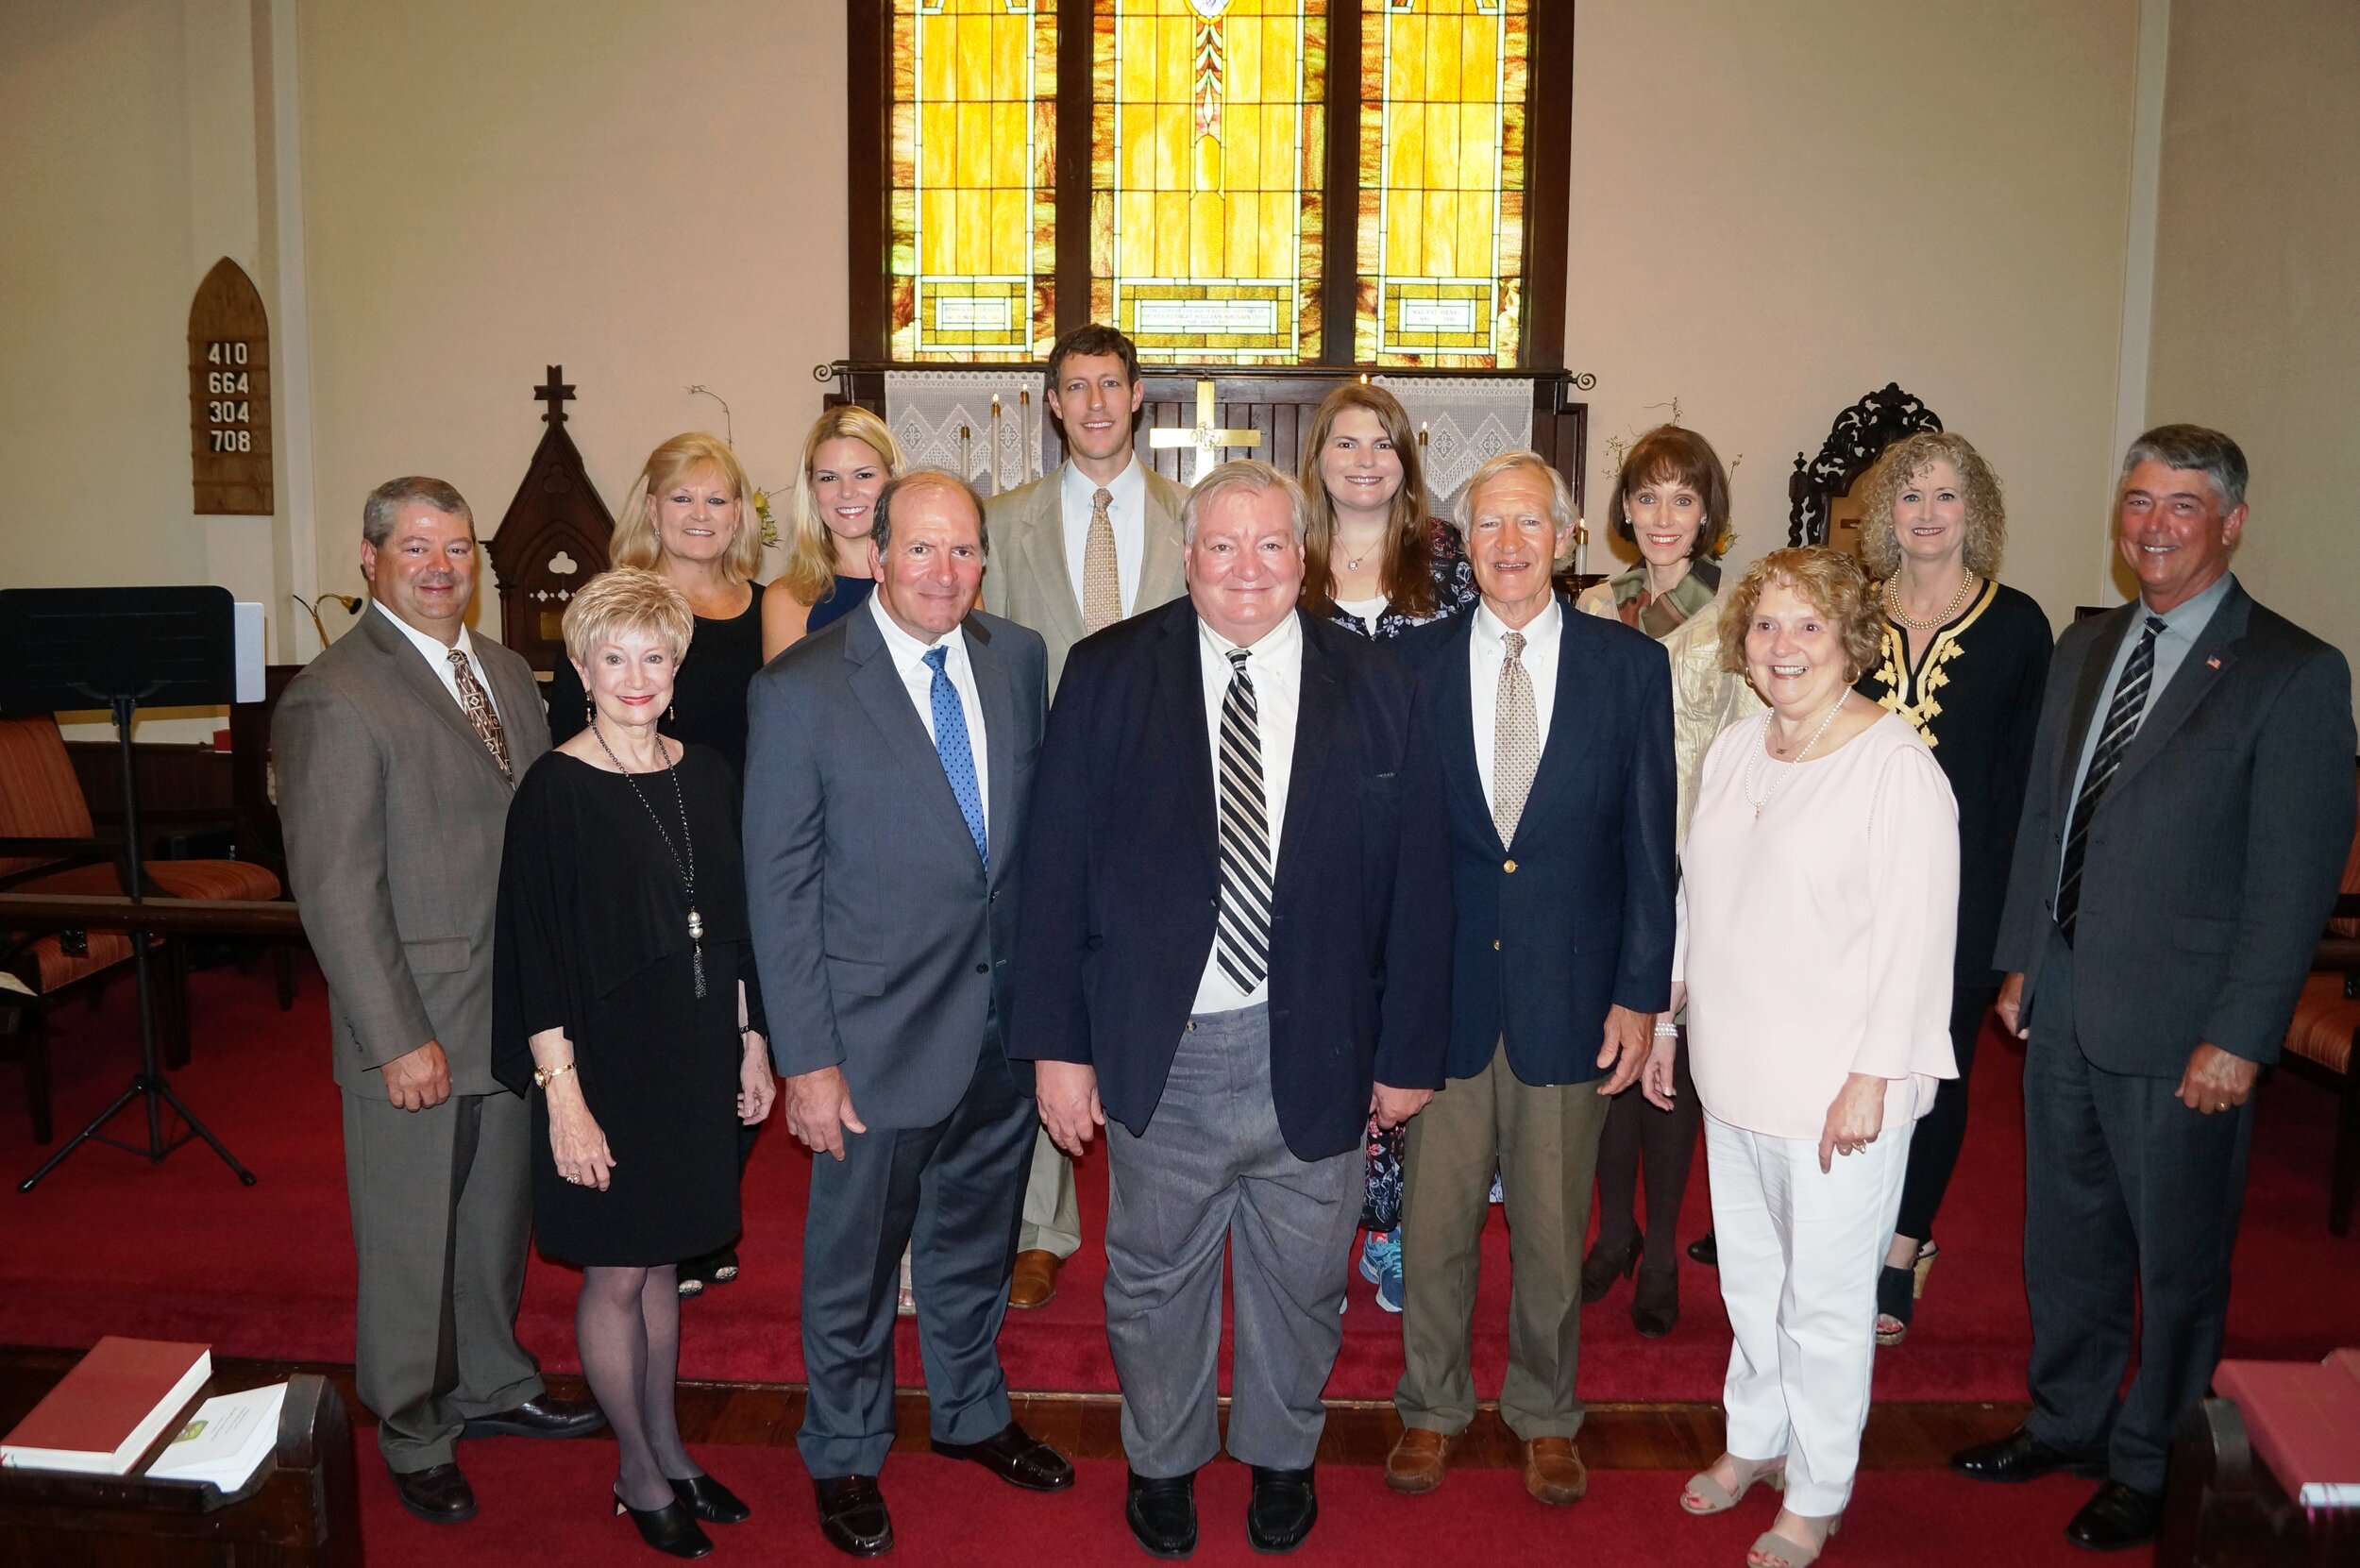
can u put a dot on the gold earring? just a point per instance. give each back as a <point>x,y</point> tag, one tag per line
<point>589,710</point>
<point>671,714</point>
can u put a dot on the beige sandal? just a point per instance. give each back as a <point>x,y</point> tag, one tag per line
<point>1787,1551</point>
<point>1720,1499</point>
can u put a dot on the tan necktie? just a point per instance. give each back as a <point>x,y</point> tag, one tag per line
<point>480,713</point>
<point>1101,588</point>
<point>1515,742</point>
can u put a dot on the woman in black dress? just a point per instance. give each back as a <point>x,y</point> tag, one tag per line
<point>1965,660</point>
<point>1375,560</point>
<point>625,993</point>
<point>848,457</point>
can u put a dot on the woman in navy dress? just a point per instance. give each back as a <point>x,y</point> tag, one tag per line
<point>848,457</point>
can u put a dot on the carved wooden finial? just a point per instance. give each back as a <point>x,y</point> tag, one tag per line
<point>557,394</point>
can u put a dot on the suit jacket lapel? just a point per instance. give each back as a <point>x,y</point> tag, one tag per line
<point>1317,713</point>
<point>1454,718</point>
<point>425,684</point>
<point>1044,559</point>
<point>1180,695</point>
<point>1569,736</point>
<point>2088,691</point>
<point>2208,660</point>
<point>1000,730</point>
<point>1163,576</point>
<point>878,686</point>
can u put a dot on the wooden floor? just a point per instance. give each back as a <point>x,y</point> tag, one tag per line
<point>1613,1437</point>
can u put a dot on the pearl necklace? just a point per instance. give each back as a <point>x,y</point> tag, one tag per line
<point>1762,756</point>
<point>1958,601</point>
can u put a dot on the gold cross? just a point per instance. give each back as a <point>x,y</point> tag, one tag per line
<point>1206,441</point>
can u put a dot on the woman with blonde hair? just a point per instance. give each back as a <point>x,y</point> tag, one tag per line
<point>847,456</point>
<point>1964,658</point>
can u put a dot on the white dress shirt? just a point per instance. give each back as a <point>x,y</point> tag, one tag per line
<point>1274,664</point>
<point>438,659</point>
<point>1487,655</point>
<point>917,678</point>
<point>1127,511</point>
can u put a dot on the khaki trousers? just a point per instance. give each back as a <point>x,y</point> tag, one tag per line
<point>1545,1143</point>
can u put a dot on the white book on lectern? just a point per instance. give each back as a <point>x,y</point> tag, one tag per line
<point>226,1441</point>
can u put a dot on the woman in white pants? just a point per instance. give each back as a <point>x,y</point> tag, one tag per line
<point>1818,907</point>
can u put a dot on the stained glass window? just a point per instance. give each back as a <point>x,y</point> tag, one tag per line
<point>973,203</point>
<point>1208,141</point>
<point>1443,85</point>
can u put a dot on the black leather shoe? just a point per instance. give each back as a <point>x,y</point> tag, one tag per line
<point>1605,1265</point>
<point>438,1494</point>
<point>669,1530</point>
<point>544,1416</point>
<point>2120,1515</point>
<point>1162,1513</point>
<point>709,1500</point>
<point>1016,1457</point>
<point>2021,1457</point>
<point>1705,1250</point>
<point>853,1514</point>
<point>1282,1511</point>
<point>1655,1302</point>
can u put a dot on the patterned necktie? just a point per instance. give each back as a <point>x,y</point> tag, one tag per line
<point>1101,586</point>
<point>2122,723</point>
<point>480,713</point>
<point>1515,742</point>
<point>1241,933</point>
<point>958,761</point>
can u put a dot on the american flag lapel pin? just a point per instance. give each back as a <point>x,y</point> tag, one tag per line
<point>2213,663</point>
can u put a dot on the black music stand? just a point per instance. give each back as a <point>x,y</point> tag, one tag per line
<point>65,649</point>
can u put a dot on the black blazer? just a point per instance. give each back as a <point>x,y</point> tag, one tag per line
<point>2215,857</point>
<point>1577,914</point>
<point>1120,883</point>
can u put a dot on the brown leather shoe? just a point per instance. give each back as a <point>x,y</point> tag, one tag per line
<point>1554,1473</point>
<point>1035,1282</point>
<point>1418,1461</point>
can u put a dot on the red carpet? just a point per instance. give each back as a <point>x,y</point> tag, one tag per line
<point>541,1503</point>
<point>108,1244</point>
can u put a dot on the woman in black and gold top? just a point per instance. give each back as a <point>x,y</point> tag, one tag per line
<point>1965,659</point>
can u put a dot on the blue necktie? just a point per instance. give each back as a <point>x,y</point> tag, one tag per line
<point>959,762</point>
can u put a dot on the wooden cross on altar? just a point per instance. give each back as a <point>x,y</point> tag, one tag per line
<point>556,394</point>
<point>1206,441</point>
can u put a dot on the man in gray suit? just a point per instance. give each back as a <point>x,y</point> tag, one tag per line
<point>1081,549</point>
<point>2188,815</point>
<point>891,757</point>
<point>397,751</point>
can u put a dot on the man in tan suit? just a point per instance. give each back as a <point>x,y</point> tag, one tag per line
<point>397,751</point>
<point>1074,553</point>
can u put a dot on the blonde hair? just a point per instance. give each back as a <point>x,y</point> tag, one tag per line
<point>628,598</point>
<point>1900,463</point>
<point>637,542</point>
<point>810,573</point>
<point>1830,583</point>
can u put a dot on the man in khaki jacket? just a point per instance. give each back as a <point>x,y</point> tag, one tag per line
<point>397,752</point>
<point>1074,551</point>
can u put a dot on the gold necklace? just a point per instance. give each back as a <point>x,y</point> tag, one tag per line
<point>1958,602</point>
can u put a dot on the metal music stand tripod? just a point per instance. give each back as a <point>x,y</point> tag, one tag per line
<point>67,648</point>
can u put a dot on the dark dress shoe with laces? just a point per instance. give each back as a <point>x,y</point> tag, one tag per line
<point>2021,1457</point>
<point>1162,1513</point>
<point>853,1514</point>
<point>1016,1457</point>
<point>1655,1302</point>
<point>438,1494</point>
<point>2119,1516</point>
<point>709,1500</point>
<point>669,1530</point>
<point>544,1416</point>
<point>1282,1511</point>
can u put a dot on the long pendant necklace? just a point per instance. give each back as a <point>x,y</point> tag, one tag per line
<point>687,867</point>
<point>1958,601</point>
<point>1762,756</point>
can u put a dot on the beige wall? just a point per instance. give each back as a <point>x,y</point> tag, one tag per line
<point>2257,282</point>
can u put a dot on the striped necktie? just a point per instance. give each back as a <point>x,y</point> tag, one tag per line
<point>1242,932</point>
<point>2122,724</point>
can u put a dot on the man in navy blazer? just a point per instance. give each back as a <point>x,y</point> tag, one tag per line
<point>1235,999</point>
<point>1556,737</point>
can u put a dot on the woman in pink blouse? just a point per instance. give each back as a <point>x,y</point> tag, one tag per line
<point>1819,908</point>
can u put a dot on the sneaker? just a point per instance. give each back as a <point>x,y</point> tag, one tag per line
<point>1380,1265</point>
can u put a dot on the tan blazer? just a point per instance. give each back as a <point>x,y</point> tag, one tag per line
<point>394,815</point>
<point>1029,583</point>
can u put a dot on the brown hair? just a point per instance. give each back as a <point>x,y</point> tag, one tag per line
<point>1670,455</point>
<point>1407,577</point>
<point>636,543</point>
<point>385,502</point>
<point>810,574</point>
<point>1830,583</point>
<point>1897,468</point>
<point>1094,337</point>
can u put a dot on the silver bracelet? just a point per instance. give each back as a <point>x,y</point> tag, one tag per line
<point>1667,1031</point>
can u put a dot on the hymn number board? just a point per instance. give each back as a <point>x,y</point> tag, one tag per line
<point>229,424</point>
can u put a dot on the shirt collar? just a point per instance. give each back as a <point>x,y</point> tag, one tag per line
<point>906,648</point>
<point>436,654</point>
<point>1277,644</point>
<point>1127,487</point>
<point>1489,632</point>
<point>2190,616</point>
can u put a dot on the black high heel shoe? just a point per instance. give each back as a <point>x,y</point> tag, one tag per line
<point>709,1500</point>
<point>1605,1265</point>
<point>669,1530</point>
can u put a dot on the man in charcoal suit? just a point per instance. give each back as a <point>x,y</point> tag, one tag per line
<point>397,751</point>
<point>2186,818</point>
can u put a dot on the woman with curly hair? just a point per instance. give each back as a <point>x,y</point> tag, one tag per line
<point>1964,658</point>
<point>848,457</point>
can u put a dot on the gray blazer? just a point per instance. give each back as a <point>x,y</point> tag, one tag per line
<point>394,815</point>
<point>2214,859</point>
<point>1029,582</point>
<point>883,947</point>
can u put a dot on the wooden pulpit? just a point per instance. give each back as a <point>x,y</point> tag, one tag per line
<point>553,538</point>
